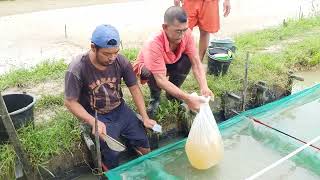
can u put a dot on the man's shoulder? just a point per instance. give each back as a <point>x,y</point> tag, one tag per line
<point>78,60</point>
<point>77,63</point>
<point>155,41</point>
<point>123,61</point>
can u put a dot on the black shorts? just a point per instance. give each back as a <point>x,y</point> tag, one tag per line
<point>122,121</point>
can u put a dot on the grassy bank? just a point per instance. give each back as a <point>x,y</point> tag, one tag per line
<point>273,52</point>
<point>257,40</point>
<point>22,77</point>
<point>61,135</point>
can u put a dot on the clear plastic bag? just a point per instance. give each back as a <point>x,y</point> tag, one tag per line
<point>204,146</point>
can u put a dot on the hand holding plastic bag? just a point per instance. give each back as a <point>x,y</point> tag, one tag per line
<point>204,146</point>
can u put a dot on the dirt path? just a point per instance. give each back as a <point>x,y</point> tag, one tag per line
<point>27,39</point>
<point>11,7</point>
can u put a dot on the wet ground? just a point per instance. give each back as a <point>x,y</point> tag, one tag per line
<point>12,7</point>
<point>29,38</point>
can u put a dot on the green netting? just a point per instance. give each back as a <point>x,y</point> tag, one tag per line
<point>249,147</point>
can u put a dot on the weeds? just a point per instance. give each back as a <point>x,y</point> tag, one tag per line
<point>131,54</point>
<point>256,40</point>
<point>44,71</point>
<point>60,135</point>
<point>50,100</point>
<point>7,159</point>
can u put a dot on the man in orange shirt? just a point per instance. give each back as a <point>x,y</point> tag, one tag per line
<point>172,52</point>
<point>205,15</point>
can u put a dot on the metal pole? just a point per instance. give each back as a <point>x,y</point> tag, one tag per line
<point>65,31</point>
<point>96,135</point>
<point>245,83</point>
<point>30,173</point>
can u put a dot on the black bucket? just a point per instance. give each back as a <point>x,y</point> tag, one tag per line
<point>226,43</point>
<point>216,66</point>
<point>20,108</point>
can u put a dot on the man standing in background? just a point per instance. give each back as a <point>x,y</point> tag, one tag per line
<point>205,15</point>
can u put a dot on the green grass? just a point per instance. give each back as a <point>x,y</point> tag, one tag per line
<point>256,40</point>
<point>273,67</point>
<point>7,161</point>
<point>47,101</point>
<point>270,67</point>
<point>305,53</point>
<point>167,111</point>
<point>219,85</point>
<point>47,70</point>
<point>60,135</point>
<point>44,71</point>
<point>131,54</point>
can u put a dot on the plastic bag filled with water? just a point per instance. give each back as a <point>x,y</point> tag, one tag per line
<point>204,146</point>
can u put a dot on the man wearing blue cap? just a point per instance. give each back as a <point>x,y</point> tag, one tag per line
<point>93,82</point>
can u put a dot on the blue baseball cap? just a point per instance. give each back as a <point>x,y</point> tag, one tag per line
<point>106,36</point>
